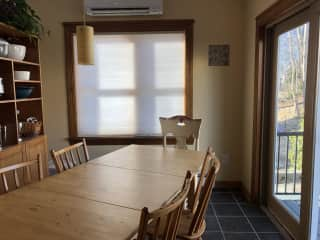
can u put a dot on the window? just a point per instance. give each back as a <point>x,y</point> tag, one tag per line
<point>136,78</point>
<point>142,71</point>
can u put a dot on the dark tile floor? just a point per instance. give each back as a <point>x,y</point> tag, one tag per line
<point>230,217</point>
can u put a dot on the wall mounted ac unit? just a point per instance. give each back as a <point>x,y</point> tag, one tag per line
<point>123,7</point>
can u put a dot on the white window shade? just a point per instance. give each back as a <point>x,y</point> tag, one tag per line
<point>136,79</point>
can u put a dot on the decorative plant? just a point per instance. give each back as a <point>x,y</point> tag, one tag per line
<point>20,15</point>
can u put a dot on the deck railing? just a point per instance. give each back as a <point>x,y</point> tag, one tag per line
<point>288,163</point>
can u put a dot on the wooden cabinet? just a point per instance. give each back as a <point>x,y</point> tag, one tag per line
<point>12,155</point>
<point>26,151</point>
<point>37,146</point>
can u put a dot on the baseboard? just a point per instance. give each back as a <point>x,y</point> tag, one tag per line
<point>228,185</point>
<point>234,186</point>
<point>246,193</point>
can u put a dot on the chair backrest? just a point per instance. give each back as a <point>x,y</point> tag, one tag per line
<point>182,128</point>
<point>206,191</point>
<point>4,172</point>
<point>70,156</point>
<point>166,219</point>
<point>206,165</point>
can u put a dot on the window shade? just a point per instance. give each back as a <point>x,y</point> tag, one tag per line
<point>136,79</point>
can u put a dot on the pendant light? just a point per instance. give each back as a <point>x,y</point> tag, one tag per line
<point>85,42</point>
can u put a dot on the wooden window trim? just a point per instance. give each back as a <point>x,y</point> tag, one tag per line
<point>278,12</point>
<point>183,25</point>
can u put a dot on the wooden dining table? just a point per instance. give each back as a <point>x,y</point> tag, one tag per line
<point>101,199</point>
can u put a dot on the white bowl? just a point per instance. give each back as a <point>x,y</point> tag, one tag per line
<point>17,52</point>
<point>22,75</point>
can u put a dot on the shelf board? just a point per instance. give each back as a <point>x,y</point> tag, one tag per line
<point>7,101</point>
<point>27,81</point>
<point>28,99</point>
<point>11,31</point>
<point>18,61</point>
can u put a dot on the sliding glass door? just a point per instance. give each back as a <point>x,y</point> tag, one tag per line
<point>293,115</point>
<point>290,41</point>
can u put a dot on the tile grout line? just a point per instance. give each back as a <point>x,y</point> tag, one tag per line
<point>237,202</point>
<point>243,232</point>
<point>218,222</point>
<point>244,214</point>
<point>222,232</point>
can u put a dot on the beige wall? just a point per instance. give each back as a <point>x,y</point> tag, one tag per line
<point>252,9</point>
<point>218,91</point>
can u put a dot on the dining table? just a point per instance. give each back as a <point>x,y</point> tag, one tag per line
<point>101,199</point>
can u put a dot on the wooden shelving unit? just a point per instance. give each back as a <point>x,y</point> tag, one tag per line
<point>20,108</point>
<point>14,110</point>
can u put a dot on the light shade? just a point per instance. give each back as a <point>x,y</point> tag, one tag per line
<point>85,45</point>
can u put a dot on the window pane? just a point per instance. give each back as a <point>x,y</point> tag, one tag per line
<point>290,111</point>
<point>136,79</point>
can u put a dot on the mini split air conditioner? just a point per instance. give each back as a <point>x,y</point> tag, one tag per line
<point>123,7</point>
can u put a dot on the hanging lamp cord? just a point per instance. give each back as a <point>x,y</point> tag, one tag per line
<point>84,14</point>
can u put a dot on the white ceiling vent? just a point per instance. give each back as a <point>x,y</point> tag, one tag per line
<point>123,7</point>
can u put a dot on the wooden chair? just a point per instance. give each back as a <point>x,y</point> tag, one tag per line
<point>70,156</point>
<point>162,224</point>
<point>182,128</point>
<point>192,222</point>
<point>14,169</point>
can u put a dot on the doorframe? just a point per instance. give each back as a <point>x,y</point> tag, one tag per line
<point>277,13</point>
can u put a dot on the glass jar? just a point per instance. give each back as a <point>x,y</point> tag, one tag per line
<point>4,48</point>
<point>1,87</point>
